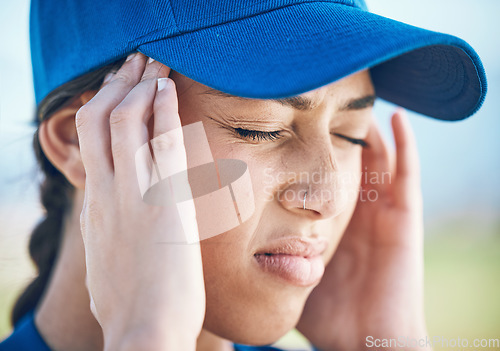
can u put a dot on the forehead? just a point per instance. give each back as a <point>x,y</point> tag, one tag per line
<point>356,88</point>
<point>350,88</point>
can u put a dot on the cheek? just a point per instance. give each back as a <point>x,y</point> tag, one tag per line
<point>347,193</point>
<point>349,171</point>
<point>350,180</point>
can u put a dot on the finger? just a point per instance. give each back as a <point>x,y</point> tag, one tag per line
<point>107,79</point>
<point>170,153</point>
<point>154,70</point>
<point>376,159</point>
<point>166,110</point>
<point>168,139</point>
<point>129,121</point>
<point>407,177</point>
<point>145,168</point>
<point>92,120</point>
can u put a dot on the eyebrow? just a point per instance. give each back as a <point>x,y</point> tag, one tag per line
<point>305,104</point>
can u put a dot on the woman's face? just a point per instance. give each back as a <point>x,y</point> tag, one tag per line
<point>255,293</point>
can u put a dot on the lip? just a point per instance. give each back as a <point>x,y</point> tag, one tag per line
<point>294,260</point>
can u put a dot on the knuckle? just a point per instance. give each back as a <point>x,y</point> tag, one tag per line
<point>149,76</point>
<point>125,78</point>
<point>119,115</point>
<point>168,141</point>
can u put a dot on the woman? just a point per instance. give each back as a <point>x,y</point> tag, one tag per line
<point>114,272</point>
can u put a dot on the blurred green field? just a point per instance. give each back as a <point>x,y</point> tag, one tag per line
<point>462,282</point>
<point>462,276</point>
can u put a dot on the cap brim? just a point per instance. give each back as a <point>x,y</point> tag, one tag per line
<point>298,48</point>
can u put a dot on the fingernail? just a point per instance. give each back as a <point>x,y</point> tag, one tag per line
<point>108,77</point>
<point>131,56</point>
<point>162,83</point>
<point>151,60</point>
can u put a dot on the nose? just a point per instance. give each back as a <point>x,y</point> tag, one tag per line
<point>314,187</point>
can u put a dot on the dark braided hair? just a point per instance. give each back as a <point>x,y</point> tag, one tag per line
<point>56,192</point>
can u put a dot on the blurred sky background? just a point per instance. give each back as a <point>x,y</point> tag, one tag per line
<point>460,161</point>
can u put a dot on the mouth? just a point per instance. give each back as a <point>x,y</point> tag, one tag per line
<point>294,260</point>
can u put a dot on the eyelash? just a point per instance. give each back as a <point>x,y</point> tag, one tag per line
<point>355,141</point>
<point>258,135</point>
<point>275,135</point>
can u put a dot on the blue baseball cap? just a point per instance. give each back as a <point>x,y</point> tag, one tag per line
<point>260,48</point>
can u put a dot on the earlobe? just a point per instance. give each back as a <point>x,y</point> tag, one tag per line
<point>59,141</point>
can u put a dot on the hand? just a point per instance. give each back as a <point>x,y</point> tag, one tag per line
<point>146,292</point>
<point>373,286</point>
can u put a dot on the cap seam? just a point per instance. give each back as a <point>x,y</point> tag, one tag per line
<point>173,16</point>
<point>344,2</point>
<point>179,32</point>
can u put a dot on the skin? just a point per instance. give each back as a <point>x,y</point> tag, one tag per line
<point>199,296</point>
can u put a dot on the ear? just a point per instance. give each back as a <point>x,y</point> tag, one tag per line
<point>59,140</point>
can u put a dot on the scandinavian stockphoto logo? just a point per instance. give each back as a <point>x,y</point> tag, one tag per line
<point>220,190</point>
<point>326,186</point>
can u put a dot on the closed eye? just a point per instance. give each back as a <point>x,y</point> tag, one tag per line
<point>355,141</point>
<point>257,135</point>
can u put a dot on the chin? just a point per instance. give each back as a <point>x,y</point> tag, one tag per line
<point>260,322</point>
<point>252,332</point>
